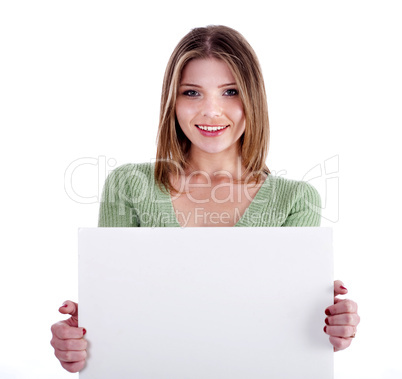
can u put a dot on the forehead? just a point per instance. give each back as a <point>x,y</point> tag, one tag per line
<point>208,71</point>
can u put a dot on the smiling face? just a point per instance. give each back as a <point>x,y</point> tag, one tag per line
<point>208,107</point>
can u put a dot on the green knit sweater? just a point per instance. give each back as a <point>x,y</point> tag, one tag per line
<point>131,197</point>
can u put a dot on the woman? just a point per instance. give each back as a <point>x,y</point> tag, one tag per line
<point>210,168</point>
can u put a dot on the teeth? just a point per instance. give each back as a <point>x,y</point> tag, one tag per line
<point>211,128</point>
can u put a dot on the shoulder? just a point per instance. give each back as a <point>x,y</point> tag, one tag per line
<point>129,168</point>
<point>299,201</point>
<point>293,189</point>
<point>131,176</point>
<point>132,170</point>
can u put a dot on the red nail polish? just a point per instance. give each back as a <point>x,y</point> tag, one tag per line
<point>84,331</point>
<point>327,312</point>
<point>325,329</point>
<point>327,321</point>
<point>64,306</point>
<point>344,288</point>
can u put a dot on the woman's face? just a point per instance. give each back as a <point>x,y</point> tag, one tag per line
<point>208,107</point>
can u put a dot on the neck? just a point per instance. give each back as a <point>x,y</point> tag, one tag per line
<point>216,166</point>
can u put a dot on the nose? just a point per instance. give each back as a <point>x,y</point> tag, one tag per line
<point>211,107</point>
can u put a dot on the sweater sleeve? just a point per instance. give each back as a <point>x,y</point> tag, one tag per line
<point>306,209</point>
<point>116,207</point>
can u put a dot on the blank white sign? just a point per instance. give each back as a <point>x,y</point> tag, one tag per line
<point>206,303</point>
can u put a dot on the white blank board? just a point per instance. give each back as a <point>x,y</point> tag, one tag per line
<point>206,303</point>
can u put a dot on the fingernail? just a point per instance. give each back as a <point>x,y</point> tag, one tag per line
<point>344,288</point>
<point>64,306</point>
<point>328,312</point>
<point>327,321</point>
<point>84,331</point>
<point>325,329</point>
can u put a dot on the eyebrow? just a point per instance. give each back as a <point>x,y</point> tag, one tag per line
<point>198,86</point>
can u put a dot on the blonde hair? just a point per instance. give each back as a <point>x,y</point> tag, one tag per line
<point>230,46</point>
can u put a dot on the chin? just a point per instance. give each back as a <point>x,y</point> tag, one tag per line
<point>214,149</point>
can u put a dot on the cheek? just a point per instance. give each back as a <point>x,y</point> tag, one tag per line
<point>238,112</point>
<point>184,112</point>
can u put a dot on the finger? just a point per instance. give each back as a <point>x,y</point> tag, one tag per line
<point>340,343</point>
<point>69,307</point>
<point>339,288</point>
<point>73,367</point>
<point>343,319</point>
<point>70,356</point>
<point>345,331</point>
<point>64,331</point>
<point>69,344</point>
<point>343,306</point>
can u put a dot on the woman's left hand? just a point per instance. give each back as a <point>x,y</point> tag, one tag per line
<point>342,319</point>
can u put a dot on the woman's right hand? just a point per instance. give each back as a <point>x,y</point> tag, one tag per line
<point>68,339</point>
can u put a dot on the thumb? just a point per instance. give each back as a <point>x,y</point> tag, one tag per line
<point>339,288</point>
<point>71,308</point>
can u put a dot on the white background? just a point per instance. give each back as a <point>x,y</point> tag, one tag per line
<point>82,79</point>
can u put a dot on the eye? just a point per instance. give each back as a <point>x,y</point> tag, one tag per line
<point>191,93</point>
<point>231,92</point>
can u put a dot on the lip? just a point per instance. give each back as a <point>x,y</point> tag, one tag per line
<point>215,125</point>
<point>211,133</point>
